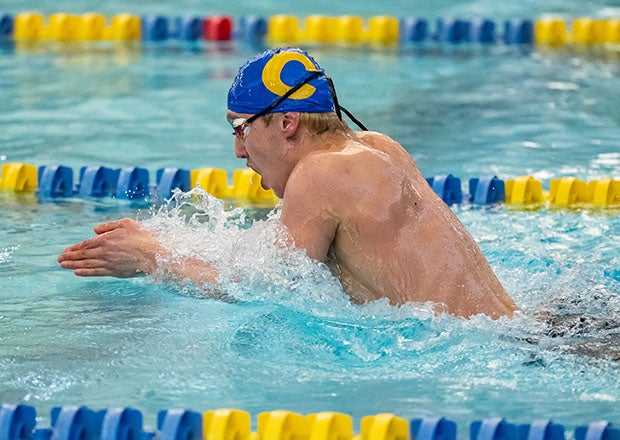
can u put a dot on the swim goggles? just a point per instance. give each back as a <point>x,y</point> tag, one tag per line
<point>241,126</point>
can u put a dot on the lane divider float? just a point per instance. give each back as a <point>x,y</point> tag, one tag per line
<point>133,183</point>
<point>583,31</point>
<point>18,422</point>
<point>526,191</point>
<point>314,29</point>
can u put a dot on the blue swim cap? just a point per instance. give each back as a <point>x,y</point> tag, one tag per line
<point>265,78</point>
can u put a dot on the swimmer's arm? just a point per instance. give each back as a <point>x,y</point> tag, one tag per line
<point>124,249</point>
<point>200,272</point>
<point>306,214</point>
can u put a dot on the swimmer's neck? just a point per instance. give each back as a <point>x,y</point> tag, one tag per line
<point>310,141</point>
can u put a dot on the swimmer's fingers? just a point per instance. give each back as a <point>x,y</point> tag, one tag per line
<point>91,243</point>
<point>98,272</point>
<point>108,235</point>
<point>122,249</point>
<point>80,254</point>
<point>90,264</point>
<point>87,268</point>
<point>116,224</point>
<point>102,272</point>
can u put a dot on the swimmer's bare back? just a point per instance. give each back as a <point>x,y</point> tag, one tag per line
<point>395,237</point>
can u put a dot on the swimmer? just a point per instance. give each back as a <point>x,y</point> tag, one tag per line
<point>354,200</point>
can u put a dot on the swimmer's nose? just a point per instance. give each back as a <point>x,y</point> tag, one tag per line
<point>240,150</point>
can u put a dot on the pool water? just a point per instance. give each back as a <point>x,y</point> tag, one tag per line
<point>286,336</point>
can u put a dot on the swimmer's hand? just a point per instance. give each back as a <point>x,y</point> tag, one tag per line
<point>121,249</point>
<point>124,249</point>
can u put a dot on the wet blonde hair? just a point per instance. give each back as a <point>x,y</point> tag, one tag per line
<point>318,123</point>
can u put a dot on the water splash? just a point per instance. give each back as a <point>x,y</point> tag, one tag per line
<point>255,258</point>
<point>258,265</point>
<point>6,253</point>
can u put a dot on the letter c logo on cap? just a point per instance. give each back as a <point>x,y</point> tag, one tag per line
<point>272,74</point>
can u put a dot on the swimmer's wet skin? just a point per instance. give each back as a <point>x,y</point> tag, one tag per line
<point>354,200</point>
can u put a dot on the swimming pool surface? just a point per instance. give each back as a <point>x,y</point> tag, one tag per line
<point>290,339</point>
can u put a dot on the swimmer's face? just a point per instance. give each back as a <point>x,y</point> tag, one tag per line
<point>255,142</point>
<point>240,130</point>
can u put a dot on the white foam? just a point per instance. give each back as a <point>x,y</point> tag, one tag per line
<point>256,259</point>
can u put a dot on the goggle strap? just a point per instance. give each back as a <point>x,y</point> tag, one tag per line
<point>353,118</point>
<point>334,97</point>
<point>340,108</point>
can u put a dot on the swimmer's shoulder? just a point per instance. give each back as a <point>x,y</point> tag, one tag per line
<point>355,157</point>
<point>333,169</point>
<point>384,143</point>
<point>373,138</point>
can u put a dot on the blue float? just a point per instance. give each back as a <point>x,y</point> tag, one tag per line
<point>6,26</point>
<point>447,187</point>
<point>433,428</point>
<point>97,181</point>
<point>482,31</point>
<point>17,422</point>
<point>493,429</point>
<point>154,28</point>
<point>122,424</point>
<point>518,31</point>
<point>188,28</point>
<point>600,430</point>
<point>413,30</point>
<point>541,430</point>
<point>452,31</point>
<point>55,181</point>
<point>251,28</point>
<point>169,179</point>
<point>179,424</point>
<point>132,183</point>
<point>75,423</point>
<point>43,434</point>
<point>486,190</point>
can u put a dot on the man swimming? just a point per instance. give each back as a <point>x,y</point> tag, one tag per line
<point>354,200</point>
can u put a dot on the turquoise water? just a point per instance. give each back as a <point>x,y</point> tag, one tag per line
<point>290,339</point>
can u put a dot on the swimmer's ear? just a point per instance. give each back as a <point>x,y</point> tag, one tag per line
<point>290,123</point>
